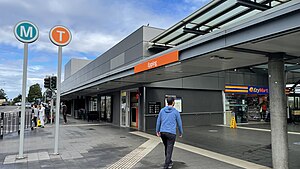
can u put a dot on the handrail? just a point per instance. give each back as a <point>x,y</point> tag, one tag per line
<point>10,122</point>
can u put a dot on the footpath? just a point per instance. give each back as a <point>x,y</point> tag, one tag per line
<point>100,145</point>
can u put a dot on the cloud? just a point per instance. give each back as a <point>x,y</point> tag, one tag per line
<point>96,26</point>
<point>35,68</point>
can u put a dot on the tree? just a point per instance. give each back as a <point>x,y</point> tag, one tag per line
<point>2,94</point>
<point>35,92</point>
<point>17,99</point>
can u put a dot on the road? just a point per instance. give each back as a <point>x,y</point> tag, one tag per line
<point>10,108</point>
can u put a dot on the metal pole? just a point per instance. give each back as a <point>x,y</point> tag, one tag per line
<point>58,99</point>
<point>51,109</point>
<point>24,83</point>
<point>144,108</point>
<point>278,116</point>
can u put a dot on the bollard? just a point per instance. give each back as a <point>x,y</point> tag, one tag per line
<point>1,125</point>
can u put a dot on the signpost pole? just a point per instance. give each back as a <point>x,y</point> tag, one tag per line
<point>21,145</point>
<point>26,32</point>
<point>60,36</point>
<point>58,99</point>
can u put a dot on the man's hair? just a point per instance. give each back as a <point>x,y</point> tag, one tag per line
<point>170,100</point>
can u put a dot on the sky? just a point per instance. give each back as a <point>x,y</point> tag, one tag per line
<point>96,26</point>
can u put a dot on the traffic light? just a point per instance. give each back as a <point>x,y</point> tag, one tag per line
<point>53,83</point>
<point>47,82</point>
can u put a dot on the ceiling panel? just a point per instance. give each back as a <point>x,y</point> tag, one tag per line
<point>287,43</point>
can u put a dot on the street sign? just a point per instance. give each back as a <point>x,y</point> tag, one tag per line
<point>26,32</point>
<point>60,35</point>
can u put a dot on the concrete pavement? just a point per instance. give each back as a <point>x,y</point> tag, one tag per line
<point>101,145</point>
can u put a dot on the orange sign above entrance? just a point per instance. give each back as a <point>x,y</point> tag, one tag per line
<point>157,62</point>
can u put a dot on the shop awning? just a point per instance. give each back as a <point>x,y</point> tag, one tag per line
<point>215,15</point>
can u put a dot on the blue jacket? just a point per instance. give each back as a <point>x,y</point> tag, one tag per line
<point>167,119</point>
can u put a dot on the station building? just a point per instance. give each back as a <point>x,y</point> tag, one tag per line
<point>213,62</point>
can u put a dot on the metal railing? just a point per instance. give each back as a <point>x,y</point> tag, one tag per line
<point>10,122</point>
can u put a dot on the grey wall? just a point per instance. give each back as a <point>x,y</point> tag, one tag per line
<point>74,65</point>
<point>129,50</point>
<point>212,81</point>
<point>216,81</point>
<point>247,78</point>
<point>199,107</point>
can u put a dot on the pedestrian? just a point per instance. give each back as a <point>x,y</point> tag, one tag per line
<point>36,114</point>
<point>64,112</point>
<point>263,110</point>
<point>32,117</point>
<point>166,124</point>
<point>42,115</point>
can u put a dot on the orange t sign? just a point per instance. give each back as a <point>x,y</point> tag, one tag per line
<point>60,35</point>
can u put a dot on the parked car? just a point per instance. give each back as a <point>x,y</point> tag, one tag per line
<point>27,105</point>
<point>18,104</point>
<point>5,103</point>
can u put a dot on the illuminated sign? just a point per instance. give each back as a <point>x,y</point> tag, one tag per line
<point>246,89</point>
<point>258,90</point>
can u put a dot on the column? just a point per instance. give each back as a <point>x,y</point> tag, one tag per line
<point>73,108</point>
<point>278,111</point>
<point>87,104</point>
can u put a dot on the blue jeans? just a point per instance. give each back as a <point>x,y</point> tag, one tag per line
<point>169,141</point>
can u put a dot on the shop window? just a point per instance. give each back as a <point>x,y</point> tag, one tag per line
<point>93,104</point>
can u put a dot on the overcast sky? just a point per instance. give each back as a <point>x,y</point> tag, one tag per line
<point>96,26</point>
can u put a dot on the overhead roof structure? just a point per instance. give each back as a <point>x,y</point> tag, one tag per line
<point>244,44</point>
<point>215,15</point>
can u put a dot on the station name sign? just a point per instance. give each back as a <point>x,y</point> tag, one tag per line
<point>246,89</point>
<point>157,62</point>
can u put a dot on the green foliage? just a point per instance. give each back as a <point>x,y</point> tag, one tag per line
<point>35,92</point>
<point>17,99</point>
<point>2,94</point>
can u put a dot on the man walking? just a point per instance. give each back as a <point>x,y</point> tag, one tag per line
<point>64,112</point>
<point>167,121</point>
